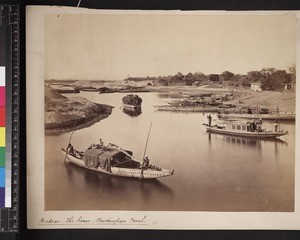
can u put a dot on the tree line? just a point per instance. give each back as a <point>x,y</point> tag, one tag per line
<point>270,79</point>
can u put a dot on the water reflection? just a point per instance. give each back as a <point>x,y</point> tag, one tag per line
<point>132,112</point>
<point>251,142</point>
<point>108,183</point>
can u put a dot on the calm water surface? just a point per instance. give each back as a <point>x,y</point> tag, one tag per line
<point>212,172</point>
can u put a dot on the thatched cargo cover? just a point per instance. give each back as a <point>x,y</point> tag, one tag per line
<point>104,157</point>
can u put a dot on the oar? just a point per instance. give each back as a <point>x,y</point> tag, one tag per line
<point>121,106</point>
<point>70,139</point>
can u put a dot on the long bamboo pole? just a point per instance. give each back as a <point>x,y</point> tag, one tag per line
<point>70,138</point>
<point>147,140</point>
<point>142,169</point>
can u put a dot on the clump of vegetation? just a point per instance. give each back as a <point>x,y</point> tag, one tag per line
<point>270,79</point>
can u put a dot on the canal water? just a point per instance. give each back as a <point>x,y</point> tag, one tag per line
<point>212,172</point>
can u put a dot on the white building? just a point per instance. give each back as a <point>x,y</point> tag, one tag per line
<point>256,86</point>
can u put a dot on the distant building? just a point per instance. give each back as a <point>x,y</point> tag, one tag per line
<point>256,87</point>
<point>288,86</point>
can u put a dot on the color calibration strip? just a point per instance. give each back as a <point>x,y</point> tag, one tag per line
<point>2,134</point>
<point>9,117</point>
<point>5,127</point>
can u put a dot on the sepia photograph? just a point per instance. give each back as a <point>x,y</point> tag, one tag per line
<point>166,112</point>
<point>162,119</point>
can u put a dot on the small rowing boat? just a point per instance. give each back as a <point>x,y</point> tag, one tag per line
<point>113,160</point>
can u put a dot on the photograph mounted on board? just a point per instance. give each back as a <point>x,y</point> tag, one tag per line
<point>170,112</point>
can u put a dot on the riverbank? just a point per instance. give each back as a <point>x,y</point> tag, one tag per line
<point>64,114</point>
<point>285,101</point>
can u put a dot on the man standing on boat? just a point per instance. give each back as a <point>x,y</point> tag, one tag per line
<point>276,125</point>
<point>101,142</point>
<point>209,120</point>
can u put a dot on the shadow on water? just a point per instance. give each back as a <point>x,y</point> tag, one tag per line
<point>109,183</point>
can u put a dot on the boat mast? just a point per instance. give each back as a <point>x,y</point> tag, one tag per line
<point>70,138</point>
<point>147,140</point>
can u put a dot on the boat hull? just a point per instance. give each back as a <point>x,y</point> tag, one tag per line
<point>132,107</point>
<point>121,172</point>
<point>261,135</point>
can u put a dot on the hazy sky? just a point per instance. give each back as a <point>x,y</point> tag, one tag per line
<point>97,46</point>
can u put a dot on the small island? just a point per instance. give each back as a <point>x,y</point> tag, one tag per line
<point>64,114</point>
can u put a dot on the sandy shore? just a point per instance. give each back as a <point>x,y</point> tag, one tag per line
<point>81,123</point>
<point>285,100</point>
<point>64,114</point>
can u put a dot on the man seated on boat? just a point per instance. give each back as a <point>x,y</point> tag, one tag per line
<point>144,166</point>
<point>146,162</point>
<point>70,149</point>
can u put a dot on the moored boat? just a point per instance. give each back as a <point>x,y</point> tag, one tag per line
<point>131,101</point>
<point>185,109</point>
<point>245,129</point>
<point>113,160</point>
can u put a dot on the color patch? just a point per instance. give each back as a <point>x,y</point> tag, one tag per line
<point>2,156</point>
<point>2,76</point>
<point>2,96</point>
<point>2,116</point>
<point>2,177</point>
<point>2,136</point>
<point>2,196</point>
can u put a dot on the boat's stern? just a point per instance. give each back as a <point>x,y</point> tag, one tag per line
<point>147,174</point>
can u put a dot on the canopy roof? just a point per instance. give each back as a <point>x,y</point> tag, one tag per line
<point>103,156</point>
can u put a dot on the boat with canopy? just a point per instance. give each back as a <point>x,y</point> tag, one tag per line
<point>113,160</point>
<point>250,129</point>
